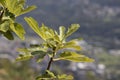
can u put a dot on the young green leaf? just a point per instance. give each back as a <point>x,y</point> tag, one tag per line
<point>28,9</point>
<point>73,56</point>
<point>61,32</point>
<point>72,29</point>
<point>71,45</point>
<point>18,29</point>
<point>33,24</point>
<point>43,31</point>
<point>56,38</point>
<point>64,77</point>
<point>4,26</point>
<point>46,32</point>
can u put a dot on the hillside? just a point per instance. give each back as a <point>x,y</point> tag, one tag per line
<point>99,19</point>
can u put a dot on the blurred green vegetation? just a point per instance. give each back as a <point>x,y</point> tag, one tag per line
<point>15,71</point>
<point>112,63</point>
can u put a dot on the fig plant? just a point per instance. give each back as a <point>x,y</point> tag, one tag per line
<point>55,44</point>
<point>52,46</point>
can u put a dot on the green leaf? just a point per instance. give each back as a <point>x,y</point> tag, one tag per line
<point>25,54</point>
<point>43,31</point>
<point>73,56</point>
<point>17,11</point>
<point>17,7</point>
<point>46,32</point>
<point>9,35</point>
<point>64,77</point>
<point>4,26</point>
<point>40,54</point>
<point>51,76</point>
<point>33,24</point>
<point>57,39</point>
<point>62,32</point>
<point>28,9</point>
<point>46,76</point>
<point>40,58</point>
<point>9,5</point>
<point>33,49</point>
<point>50,73</point>
<point>24,57</point>
<point>71,45</point>
<point>23,50</point>
<point>72,29</point>
<point>18,29</point>
<point>28,52</point>
<point>51,43</point>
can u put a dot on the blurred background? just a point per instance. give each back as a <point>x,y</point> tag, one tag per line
<point>100,30</point>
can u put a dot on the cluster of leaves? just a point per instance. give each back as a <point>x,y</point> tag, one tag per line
<point>13,71</point>
<point>52,43</point>
<point>52,76</point>
<point>9,10</point>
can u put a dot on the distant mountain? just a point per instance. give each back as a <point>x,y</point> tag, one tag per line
<point>99,19</point>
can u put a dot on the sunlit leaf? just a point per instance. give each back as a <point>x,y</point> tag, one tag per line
<point>18,29</point>
<point>73,56</point>
<point>33,24</point>
<point>28,9</point>
<point>17,11</point>
<point>61,32</point>
<point>71,45</point>
<point>72,29</point>
<point>56,38</point>
<point>17,7</point>
<point>46,32</point>
<point>64,77</point>
<point>43,31</point>
<point>4,26</point>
